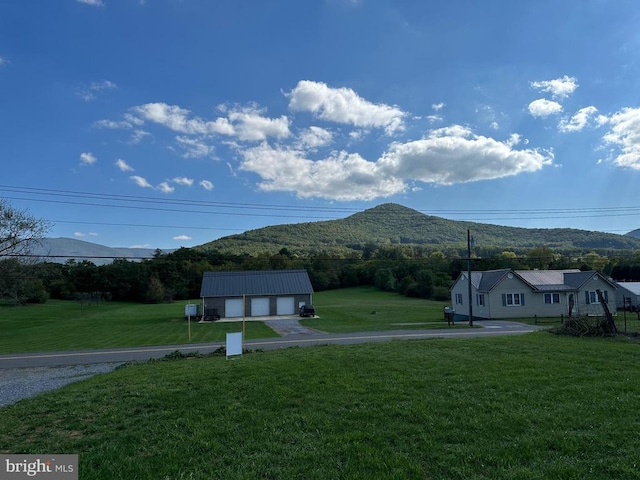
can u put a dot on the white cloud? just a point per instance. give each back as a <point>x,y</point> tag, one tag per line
<point>457,155</point>
<point>112,124</point>
<point>93,3</point>
<point>182,237</point>
<point>4,61</point>
<point>543,108</point>
<point>164,187</point>
<point>342,176</point>
<point>358,134</point>
<point>79,234</point>
<point>434,118</point>
<point>123,166</point>
<point>89,93</point>
<point>625,135</point>
<point>206,184</point>
<point>133,120</point>
<point>581,119</point>
<point>251,126</point>
<point>184,181</point>
<point>246,124</point>
<point>559,88</point>
<point>438,106</point>
<point>315,137</point>
<point>137,136</point>
<point>143,245</point>
<point>343,105</point>
<point>87,158</point>
<point>446,156</point>
<point>141,181</point>
<point>194,148</point>
<point>176,119</point>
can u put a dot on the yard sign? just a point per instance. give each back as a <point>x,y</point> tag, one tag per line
<point>234,344</point>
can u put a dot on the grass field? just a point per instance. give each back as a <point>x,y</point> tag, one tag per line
<point>361,309</point>
<point>66,325</point>
<point>536,406</point>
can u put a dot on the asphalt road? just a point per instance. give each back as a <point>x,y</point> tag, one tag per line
<point>120,355</point>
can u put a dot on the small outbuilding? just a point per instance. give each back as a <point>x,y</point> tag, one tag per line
<point>259,293</point>
<point>628,295</point>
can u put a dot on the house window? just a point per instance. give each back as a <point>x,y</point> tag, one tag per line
<point>551,298</point>
<point>480,299</point>
<point>592,297</point>
<point>512,299</point>
<point>458,299</point>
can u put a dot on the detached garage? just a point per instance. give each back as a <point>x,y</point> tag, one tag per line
<point>265,293</point>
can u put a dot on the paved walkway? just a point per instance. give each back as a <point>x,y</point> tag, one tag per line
<point>284,325</point>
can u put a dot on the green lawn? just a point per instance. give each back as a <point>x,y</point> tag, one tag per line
<point>536,406</point>
<point>361,309</point>
<point>65,325</point>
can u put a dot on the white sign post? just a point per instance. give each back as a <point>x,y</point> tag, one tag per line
<point>234,344</point>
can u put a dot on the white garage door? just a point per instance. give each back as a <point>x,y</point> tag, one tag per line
<point>233,307</point>
<point>285,306</point>
<point>259,307</point>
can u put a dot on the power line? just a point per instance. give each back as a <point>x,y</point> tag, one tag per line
<point>594,212</point>
<point>113,224</point>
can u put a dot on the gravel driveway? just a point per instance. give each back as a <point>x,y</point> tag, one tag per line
<point>19,383</point>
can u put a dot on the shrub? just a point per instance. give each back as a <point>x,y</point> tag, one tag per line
<point>583,326</point>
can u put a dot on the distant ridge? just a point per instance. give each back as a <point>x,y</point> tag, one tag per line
<point>59,250</point>
<point>393,224</point>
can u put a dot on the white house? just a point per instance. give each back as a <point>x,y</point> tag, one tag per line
<point>511,293</point>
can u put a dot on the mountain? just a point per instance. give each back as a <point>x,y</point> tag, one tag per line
<point>634,233</point>
<point>393,224</point>
<point>60,250</point>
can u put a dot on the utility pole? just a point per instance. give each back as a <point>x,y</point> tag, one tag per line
<point>469,275</point>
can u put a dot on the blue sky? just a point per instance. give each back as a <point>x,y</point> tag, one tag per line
<point>167,123</point>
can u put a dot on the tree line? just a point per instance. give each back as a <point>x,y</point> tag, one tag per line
<point>177,275</point>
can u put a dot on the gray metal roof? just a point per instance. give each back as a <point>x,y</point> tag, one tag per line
<point>544,277</point>
<point>491,278</point>
<point>577,279</point>
<point>633,287</point>
<point>538,280</point>
<point>255,282</point>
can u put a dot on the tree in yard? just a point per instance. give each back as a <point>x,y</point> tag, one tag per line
<point>18,229</point>
<point>18,232</point>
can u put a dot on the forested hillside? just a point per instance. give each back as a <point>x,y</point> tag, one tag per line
<point>392,224</point>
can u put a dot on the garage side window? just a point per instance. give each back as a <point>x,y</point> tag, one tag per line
<point>458,299</point>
